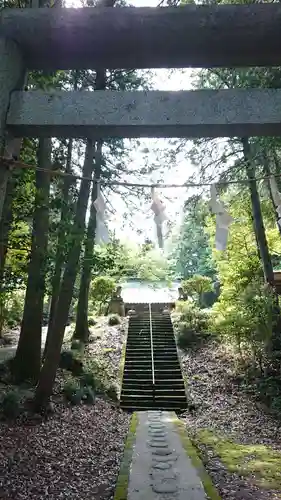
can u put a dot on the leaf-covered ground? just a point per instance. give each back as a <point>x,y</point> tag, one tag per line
<point>74,455</point>
<point>105,347</point>
<point>239,441</point>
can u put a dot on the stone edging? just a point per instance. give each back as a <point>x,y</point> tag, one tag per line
<point>192,453</point>
<point>121,489</point>
<point>179,353</point>
<point>122,362</point>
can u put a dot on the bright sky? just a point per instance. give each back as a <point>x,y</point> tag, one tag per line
<point>142,219</point>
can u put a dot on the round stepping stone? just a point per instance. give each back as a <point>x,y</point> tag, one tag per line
<point>156,425</point>
<point>157,439</point>
<point>164,458</point>
<point>163,474</point>
<point>162,451</point>
<point>165,486</point>
<point>161,465</point>
<point>156,444</point>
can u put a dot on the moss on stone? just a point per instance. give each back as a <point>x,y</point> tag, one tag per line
<point>121,490</point>
<point>191,451</point>
<point>256,460</point>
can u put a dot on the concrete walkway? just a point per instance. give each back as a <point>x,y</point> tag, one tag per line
<point>160,467</point>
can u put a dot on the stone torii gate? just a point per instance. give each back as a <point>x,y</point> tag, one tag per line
<point>100,38</point>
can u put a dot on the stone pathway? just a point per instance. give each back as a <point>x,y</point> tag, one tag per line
<point>160,467</point>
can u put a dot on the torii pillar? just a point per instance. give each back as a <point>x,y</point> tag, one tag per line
<point>12,72</point>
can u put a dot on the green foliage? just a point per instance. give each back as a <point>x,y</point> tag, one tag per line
<point>151,265</point>
<point>114,319</point>
<point>88,379</point>
<point>88,395</point>
<point>248,320</point>
<point>69,360</point>
<point>101,290</point>
<point>92,321</point>
<point>191,251</point>
<point>196,287</point>
<point>244,313</point>
<point>76,345</point>
<point>111,392</point>
<point>11,404</point>
<point>73,392</point>
<point>11,308</point>
<point>268,390</point>
<point>191,325</point>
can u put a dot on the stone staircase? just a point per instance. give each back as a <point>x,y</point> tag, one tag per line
<point>152,375</point>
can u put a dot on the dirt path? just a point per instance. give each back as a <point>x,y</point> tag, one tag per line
<point>240,442</point>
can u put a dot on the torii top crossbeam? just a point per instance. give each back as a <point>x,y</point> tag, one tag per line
<point>198,36</point>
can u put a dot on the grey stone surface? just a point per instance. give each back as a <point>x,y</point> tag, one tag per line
<point>161,465</point>
<point>158,444</point>
<point>199,113</point>
<point>158,477</point>
<point>11,78</point>
<point>200,36</point>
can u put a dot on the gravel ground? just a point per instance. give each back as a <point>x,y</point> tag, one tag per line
<point>222,405</point>
<point>74,455</point>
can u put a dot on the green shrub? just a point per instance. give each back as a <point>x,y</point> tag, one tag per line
<point>114,319</point>
<point>186,338</point>
<point>88,379</point>
<point>196,287</point>
<point>69,361</point>
<point>111,392</point>
<point>89,396</point>
<point>76,345</point>
<point>101,290</point>
<point>246,318</point>
<point>73,392</point>
<point>11,404</point>
<point>191,325</point>
<point>194,318</point>
<point>92,321</point>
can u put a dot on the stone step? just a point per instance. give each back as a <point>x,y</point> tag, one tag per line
<point>137,389</point>
<point>167,374</point>
<point>153,398</point>
<point>160,392</point>
<point>137,405</point>
<point>157,356</point>
<point>161,384</point>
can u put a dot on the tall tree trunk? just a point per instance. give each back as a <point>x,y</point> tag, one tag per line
<point>277,168</point>
<point>257,214</point>
<point>266,169</point>
<point>81,329</point>
<point>52,357</point>
<point>273,348</point>
<point>61,251</point>
<point>5,226</point>
<point>28,355</point>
